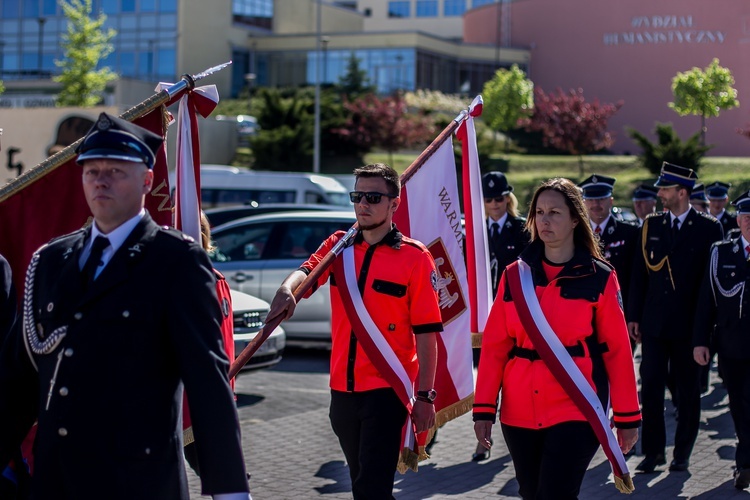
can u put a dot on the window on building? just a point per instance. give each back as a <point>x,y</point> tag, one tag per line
<point>49,7</point>
<point>109,6</point>
<point>477,3</point>
<point>128,6</point>
<point>167,5</point>
<point>31,8</point>
<point>253,12</point>
<point>427,8</point>
<point>454,7</point>
<point>10,9</point>
<point>399,9</point>
<point>148,5</point>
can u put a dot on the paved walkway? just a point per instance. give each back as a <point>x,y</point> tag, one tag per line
<point>293,454</point>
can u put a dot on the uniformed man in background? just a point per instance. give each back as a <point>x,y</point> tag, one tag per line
<point>644,201</point>
<point>718,197</point>
<point>722,323</point>
<point>616,238</point>
<point>115,317</point>
<point>698,198</point>
<point>673,248</point>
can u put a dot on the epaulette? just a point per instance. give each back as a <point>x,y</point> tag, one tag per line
<point>74,234</point>
<point>415,243</point>
<point>655,214</point>
<point>708,216</point>
<point>175,233</point>
<point>604,264</point>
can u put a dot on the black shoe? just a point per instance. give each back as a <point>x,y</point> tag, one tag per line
<point>741,478</point>
<point>679,465</point>
<point>650,463</point>
<point>481,454</point>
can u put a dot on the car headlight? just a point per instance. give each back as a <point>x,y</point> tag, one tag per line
<point>250,319</point>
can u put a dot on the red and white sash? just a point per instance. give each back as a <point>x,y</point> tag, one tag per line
<point>375,345</point>
<point>562,366</point>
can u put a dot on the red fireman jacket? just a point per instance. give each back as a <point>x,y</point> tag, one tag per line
<point>583,300</point>
<point>397,279</point>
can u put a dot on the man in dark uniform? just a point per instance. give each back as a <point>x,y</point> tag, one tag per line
<point>644,201</point>
<point>698,198</point>
<point>617,238</point>
<point>672,247</point>
<point>115,317</point>
<point>718,197</point>
<point>722,323</point>
<point>506,231</point>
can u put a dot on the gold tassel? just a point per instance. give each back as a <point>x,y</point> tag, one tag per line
<point>476,340</point>
<point>187,436</point>
<point>624,484</point>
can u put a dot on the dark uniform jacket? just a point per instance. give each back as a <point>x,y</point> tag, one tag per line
<point>728,222</point>
<point>723,319</point>
<point>513,239</point>
<point>663,302</point>
<point>618,241</point>
<point>7,299</point>
<point>107,398</point>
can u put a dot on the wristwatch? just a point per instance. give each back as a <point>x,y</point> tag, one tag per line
<point>427,396</point>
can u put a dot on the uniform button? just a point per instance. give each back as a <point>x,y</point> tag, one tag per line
<point>536,392</point>
<point>78,315</point>
<point>148,451</point>
<point>68,352</point>
<point>62,431</point>
<point>125,314</point>
<point>63,391</point>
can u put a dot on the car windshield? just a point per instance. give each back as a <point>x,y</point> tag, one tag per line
<point>339,199</point>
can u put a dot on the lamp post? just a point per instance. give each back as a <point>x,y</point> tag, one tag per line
<point>324,42</point>
<point>41,22</point>
<point>249,78</point>
<point>2,57</point>
<point>316,133</point>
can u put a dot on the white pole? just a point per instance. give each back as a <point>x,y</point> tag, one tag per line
<point>316,137</point>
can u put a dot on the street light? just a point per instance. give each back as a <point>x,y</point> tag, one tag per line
<point>249,78</point>
<point>324,42</point>
<point>41,22</point>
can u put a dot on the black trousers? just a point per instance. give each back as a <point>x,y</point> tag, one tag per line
<point>736,374</point>
<point>658,357</point>
<point>550,463</point>
<point>368,425</point>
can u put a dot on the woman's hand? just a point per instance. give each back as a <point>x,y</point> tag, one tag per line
<point>627,438</point>
<point>483,430</point>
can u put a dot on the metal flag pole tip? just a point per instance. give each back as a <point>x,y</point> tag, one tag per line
<point>188,81</point>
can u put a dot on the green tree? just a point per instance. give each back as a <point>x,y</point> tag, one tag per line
<point>704,93</point>
<point>85,44</point>
<point>668,147</point>
<point>2,87</point>
<point>508,98</point>
<point>354,82</point>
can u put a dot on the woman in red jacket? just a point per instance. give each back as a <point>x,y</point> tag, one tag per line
<point>547,432</point>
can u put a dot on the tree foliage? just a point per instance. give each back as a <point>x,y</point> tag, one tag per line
<point>2,87</point>
<point>508,98</point>
<point>569,123</point>
<point>285,138</point>
<point>354,82</point>
<point>85,44</point>
<point>704,93</point>
<point>668,147</point>
<point>384,123</point>
<point>432,101</point>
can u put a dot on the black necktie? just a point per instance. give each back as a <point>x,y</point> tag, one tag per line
<point>495,234</point>
<point>94,260</point>
<point>675,227</point>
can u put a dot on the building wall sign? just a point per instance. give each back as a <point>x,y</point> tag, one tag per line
<point>652,30</point>
<point>27,101</point>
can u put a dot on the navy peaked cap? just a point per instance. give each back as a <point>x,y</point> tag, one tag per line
<point>742,203</point>
<point>597,186</point>
<point>675,175</point>
<point>114,138</point>
<point>718,190</point>
<point>645,192</point>
<point>698,193</point>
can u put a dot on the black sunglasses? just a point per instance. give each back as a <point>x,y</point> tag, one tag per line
<point>372,197</point>
<point>498,199</point>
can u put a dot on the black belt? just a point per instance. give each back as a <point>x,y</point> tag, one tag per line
<point>575,351</point>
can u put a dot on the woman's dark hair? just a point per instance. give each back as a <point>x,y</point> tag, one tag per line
<point>583,236</point>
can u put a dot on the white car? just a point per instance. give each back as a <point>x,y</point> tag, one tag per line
<point>249,315</point>
<point>256,253</point>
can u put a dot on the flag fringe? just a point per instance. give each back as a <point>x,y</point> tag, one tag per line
<point>453,411</point>
<point>409,460</point>
<point>624,484</point>
<point>187,436</point>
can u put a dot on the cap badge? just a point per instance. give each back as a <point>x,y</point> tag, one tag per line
<point>610,229</point>
<point>103,124</point>
<point>491,183</point>
<point>594,179</point>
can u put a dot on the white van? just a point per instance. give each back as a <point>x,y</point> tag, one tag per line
<point>223,186</point>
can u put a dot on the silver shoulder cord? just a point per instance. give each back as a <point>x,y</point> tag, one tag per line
<point>33,342</point>
<point>738,288</point>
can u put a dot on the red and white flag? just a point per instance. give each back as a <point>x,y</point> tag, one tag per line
<point>201,100</point>
<point>430,212</point>
<point>477,246</point>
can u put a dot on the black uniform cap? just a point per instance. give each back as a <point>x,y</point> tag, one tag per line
<point>675,175</point>
<point>495,184</point>
<point>597,186</point>
<point>742,203</point>
<point>118,139</point>
<point>645,192</point>
<point>718,191</point>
